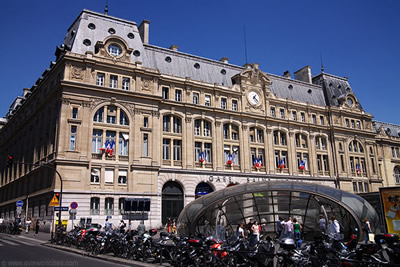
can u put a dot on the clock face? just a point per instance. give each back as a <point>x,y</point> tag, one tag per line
<point>254,98</point>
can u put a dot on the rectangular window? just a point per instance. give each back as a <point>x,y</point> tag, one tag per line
<point>166,149</point>
<point>123,144</point>
<point>100,79</point>
<point>74,113</point>
<point>260,136</point>
<point>125,83</point>
<point>366,189</point>
<point>319,162</point>
<point>227,151</point>
<point>302,117</point>
<point>321,120</point>
<point>165,93</point>
<point>347,123</point>
<point>326,163</point>
<point>206,128</point>
<point>146,122</point>
<point>95,176</point>
<point>294,115</point>
<point>113,81</point>
<point>272,112</point>
<point>208,151</point>
<point>122,176</point>
<point>195,98</point>
<point>235,155</point>
<point>277,159</point>
<point>178,95</point>
<point>342,162</point>
<point>145,145</point>
<point>223,103</point>
<point>352,164</point>
<point>197,151</point>
<point>225,131</point>
<point>111,114</point>
<point>314,118</point>
<point>72,141</point>
<point>360,187</point>
<point>109,176</point>
<point>177,150</point>
<point>282,113</point>
<point>373,166</point>
<point>355,187</point>
<point>352,124</point>
<point>97,140</point>
<point>207,100</point>
<point>177,125</point>
<point>358,125</point>
<point>234,105</point>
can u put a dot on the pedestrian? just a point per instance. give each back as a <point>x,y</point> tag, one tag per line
<point>322,224</point>
<point>28,225</point>
<point>122,226</point>
<point>366,229</point>
<point>336,225</point>
<point>107,225</point>
<point>174,227</point>
<point>240,232</point>
<point>263,227</point>
<point>141,228</point>
<point>169,225</point>
<point>289,228</point>
<point>297,232</point>
<point>248,228</point>
<point>255,228</point>
<point>130,226</point>
<point>279,227</point>
<point>37,227</point>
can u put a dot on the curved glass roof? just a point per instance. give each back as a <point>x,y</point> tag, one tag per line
<point>267,201</point>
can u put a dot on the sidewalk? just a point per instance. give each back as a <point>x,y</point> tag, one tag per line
<point>42,236</point>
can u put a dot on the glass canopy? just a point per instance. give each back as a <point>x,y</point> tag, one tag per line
<point>267,201</point>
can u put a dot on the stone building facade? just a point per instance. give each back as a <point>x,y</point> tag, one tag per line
<point>121,118</point>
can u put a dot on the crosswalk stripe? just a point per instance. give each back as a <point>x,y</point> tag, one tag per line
<point>9,242</point>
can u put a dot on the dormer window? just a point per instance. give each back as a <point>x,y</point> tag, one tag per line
<point>114,50</point>
<point>350,101</point>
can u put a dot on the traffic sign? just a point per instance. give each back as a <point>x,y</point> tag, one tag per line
<point>73,205</point>
<point>20,203</point>
<point>54,202</point>
<point>72,211</point>
<point>62,208</point>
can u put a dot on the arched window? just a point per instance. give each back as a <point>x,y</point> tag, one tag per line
<point>256,135</point>
<point>280,138</point>
<point>356,147</point>
<point>357,159</point>
<point>301,140</point>
<point>109,206</point>
<point>111,117</point>
<point>202,128</point>
<point>94,206</point>
<point>176,123</point>
<point>231,131</point>
<point>203,189</point>
<point>98,116</point>
<point>123,119</point>
<point>320,143</point>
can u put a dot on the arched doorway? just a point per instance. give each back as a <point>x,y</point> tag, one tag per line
<point>172,201</point>
<point>203,189</point>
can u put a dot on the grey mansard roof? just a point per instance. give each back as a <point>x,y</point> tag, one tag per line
<point>390,129</point>
<point>183,65</point>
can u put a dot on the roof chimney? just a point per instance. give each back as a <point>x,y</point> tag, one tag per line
<point>224,60</point>
<point>303,74</point>
<point>286,74</point>
<point>174,47</point>
<point>144,31</point>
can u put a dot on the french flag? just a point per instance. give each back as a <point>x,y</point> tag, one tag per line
<point>230,160</point>
<point>104,147</point>
<point>302,165</point>
<point>202,158</point>
<point>358,169</point>
<point>282,164</point>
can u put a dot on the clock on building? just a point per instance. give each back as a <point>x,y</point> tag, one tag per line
<point>254,98</point>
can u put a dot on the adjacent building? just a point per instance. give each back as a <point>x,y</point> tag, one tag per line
<point>120,118</point>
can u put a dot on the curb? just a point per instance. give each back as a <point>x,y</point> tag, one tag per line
<point>100,257</point>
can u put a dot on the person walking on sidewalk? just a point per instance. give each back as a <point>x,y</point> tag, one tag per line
<point>28,225</point>
<point>37,226</point>
<point>366,229</point>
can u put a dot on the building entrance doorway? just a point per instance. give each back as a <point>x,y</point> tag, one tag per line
<point>172,201</point>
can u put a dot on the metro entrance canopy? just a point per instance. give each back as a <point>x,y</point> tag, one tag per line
<point>267,201</point>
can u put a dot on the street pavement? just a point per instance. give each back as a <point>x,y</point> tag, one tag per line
<point>31,250</point>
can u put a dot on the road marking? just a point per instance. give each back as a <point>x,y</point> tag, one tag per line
<point>9,242</point>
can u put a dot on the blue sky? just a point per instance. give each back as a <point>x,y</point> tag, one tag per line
<point>357,39</point>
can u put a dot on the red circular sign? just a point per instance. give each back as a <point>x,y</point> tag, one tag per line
<point>73,205</point>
